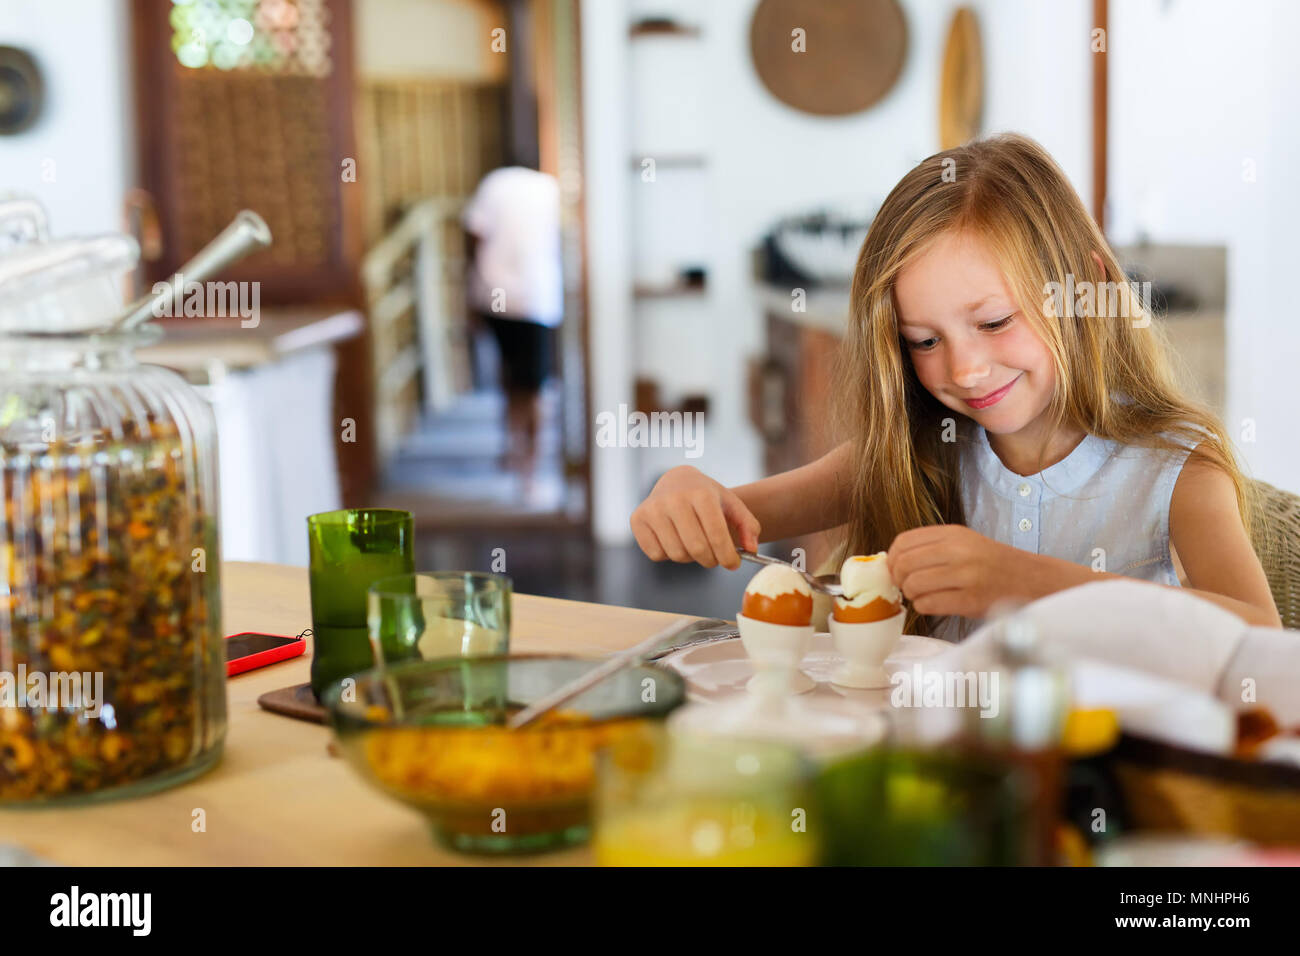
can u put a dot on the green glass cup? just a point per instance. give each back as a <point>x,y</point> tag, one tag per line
<point>350,550</point>
<point>940,807</point>
<point>431,615</point>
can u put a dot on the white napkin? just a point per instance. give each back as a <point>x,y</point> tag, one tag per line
<point>1173,665</point>
<point>1267,662</point>
<point>1162,631</point>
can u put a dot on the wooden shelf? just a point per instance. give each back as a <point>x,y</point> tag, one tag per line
<point>640,291</point>
<point>678,161</point>
<point>663,27</point>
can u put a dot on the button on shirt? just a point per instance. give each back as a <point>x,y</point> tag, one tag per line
<point>1103,506</point>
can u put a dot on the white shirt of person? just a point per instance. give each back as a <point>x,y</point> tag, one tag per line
<point>515,213</point>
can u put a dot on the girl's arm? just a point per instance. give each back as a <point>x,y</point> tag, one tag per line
<point>950,569</point>
<point>1205,528</point>
<point>690,517</point>
<point>804,500</point>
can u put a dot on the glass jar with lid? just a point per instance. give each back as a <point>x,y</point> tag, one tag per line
<point>112,666</point>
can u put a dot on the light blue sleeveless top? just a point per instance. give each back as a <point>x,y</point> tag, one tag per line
<point>1103,506</point>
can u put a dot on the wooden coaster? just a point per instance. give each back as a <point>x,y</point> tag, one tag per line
<point>297,702</point>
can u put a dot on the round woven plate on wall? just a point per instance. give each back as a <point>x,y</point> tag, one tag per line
<point>961,86</point>
<point>853,52</point>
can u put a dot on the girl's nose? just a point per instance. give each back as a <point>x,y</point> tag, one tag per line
<point>968,370</point>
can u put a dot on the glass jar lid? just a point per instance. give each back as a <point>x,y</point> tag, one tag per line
<point>22,219</point>
<point>64,286</point>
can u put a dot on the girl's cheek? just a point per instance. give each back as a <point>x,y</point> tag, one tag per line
<point>927,370</point>
<point>1031,349</point>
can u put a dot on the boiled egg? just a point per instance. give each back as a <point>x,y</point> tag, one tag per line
<point>869,591</point>
<point>778,595</point>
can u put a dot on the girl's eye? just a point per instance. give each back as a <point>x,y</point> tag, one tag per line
<point>924,346</point>
<point>1000,323</point>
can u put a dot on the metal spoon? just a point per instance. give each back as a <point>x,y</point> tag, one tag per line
<point>826,583</point>
<point>246,233</point>
<point>593,677</point>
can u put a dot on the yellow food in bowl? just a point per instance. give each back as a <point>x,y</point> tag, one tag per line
<point>552,762</point>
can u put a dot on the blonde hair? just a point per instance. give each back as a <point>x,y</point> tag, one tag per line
<point>1008,191</point>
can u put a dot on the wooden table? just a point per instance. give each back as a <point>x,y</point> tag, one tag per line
<point>277,797</point>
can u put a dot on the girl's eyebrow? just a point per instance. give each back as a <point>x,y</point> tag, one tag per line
<point>973,307</point>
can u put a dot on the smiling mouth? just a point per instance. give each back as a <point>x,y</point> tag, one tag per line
<point>992,398</point>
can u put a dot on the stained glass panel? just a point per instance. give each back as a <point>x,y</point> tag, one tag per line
<point>287,37</point>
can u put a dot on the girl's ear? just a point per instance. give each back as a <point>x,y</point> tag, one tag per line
<point>1096,257</point>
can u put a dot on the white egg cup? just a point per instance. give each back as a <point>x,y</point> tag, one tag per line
<point>776,651</point>
<point>864,648</point>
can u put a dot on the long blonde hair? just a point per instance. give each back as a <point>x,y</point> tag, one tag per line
<point>1013,195</point>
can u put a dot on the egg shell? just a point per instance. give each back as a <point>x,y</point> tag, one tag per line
<point>866,578</point>
<point>777,579</point>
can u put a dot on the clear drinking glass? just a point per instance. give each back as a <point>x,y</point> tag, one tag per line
<point>439,614</point>
<point>704,800</point>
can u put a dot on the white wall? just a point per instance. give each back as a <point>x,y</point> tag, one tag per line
<point>84,140</point>
<point>609,292</point>
<point>1203,97</point>
<point>765,161</point>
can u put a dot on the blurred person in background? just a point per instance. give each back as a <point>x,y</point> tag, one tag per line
<point>515,287</point>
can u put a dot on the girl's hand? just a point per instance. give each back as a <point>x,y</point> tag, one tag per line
<point>690,517</point>
<point>950,569</point>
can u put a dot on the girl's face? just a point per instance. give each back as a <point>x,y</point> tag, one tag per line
<point>970,345</point>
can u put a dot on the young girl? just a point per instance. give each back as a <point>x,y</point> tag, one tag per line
<point>1005,443</point>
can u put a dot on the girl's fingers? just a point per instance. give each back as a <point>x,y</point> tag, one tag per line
<point>666,532</point>
<point>920,538</point>
<point>691,535</point>
<point>918,584</point>
<point>951,601</point>
<point>743,520</point>
<point>648,541</point>
<point>917,559</point>
<point>717,535</point>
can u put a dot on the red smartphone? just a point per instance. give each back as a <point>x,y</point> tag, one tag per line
<point>246,651</point>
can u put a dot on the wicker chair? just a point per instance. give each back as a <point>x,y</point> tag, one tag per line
<point>1276,539</point>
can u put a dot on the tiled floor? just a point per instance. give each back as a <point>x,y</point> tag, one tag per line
<point>449,472</point>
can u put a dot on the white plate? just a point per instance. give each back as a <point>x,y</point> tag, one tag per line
<point>827,721</point>
<point>718,671</point>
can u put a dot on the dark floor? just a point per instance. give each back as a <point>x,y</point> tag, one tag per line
<point>448,473</point>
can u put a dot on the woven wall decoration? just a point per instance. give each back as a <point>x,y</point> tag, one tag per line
<point>831,57</point>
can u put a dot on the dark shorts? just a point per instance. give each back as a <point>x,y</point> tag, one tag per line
<point>527,351</point>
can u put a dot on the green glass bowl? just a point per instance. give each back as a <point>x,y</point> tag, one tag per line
<point>431,734</point>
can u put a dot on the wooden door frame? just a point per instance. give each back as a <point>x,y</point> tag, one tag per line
<point>1100,112</point>
<point>155,91</point>
<point>337,285</point>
